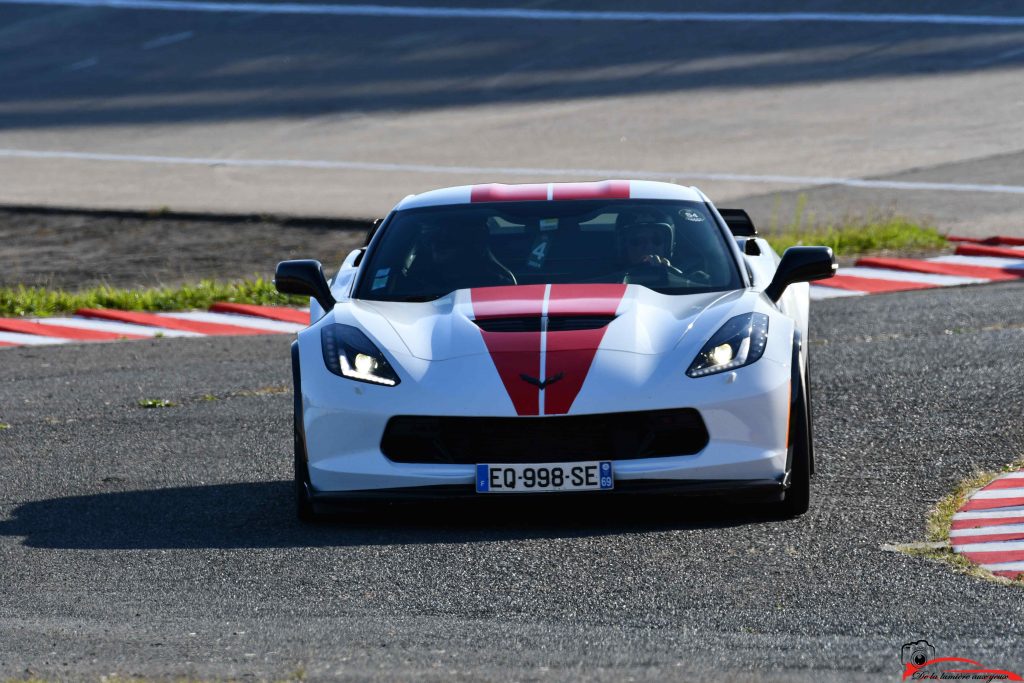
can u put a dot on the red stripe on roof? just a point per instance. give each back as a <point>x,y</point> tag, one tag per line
<point>498,192</point>
<point>169,323</point>
<point>3,343</point>
<point>607,189</point>
<point>988,521</point>
<point>62,332</point>
<point>871,285</point>
<point>915,266</point>
<point>282,313</point>
<point>983,250</point>
<point>572,352</point>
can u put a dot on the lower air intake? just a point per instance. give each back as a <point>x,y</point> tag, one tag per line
<point>559,438</point>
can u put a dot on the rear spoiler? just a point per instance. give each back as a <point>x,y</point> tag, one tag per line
<point>739,222</point>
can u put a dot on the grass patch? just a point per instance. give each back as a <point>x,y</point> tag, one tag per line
<point>940,519</point>
<point>854,236</point>
<point>41,301</point>
<point>941,516</point>
<point>156,403</point>
<point>3,426</point>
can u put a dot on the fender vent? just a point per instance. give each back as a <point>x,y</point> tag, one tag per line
<point>532,324</point>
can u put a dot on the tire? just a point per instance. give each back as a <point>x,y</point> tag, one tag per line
<point>303,501</point>
<point>797,498</point>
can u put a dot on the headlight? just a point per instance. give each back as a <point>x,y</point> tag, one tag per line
<point>740,341</point>
<point>350,353</point>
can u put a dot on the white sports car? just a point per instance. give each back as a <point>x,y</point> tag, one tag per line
<point>598,338</point>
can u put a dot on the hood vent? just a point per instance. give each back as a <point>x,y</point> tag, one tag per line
<point>533,324</point>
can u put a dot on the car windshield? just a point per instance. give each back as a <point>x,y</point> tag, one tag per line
<point>673,247</point>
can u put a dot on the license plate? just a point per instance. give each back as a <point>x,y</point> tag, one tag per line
<point>541,477</point>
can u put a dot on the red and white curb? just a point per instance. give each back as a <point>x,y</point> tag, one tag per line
<point>994,259</point>
<point>989,529</point>
<point>98,325</point>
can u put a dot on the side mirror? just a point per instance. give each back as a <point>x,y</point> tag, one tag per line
<point>304,277</point>
<point>801,264</point>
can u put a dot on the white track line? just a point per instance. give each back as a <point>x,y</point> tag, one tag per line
<point>84,64</point>
<point>986,261</point>
<point>536,14</point>
<point>1010,511</point>
<point>238,320</point>
<point>821,292</point>
<point>115,327</point>
<point>906,276</point>
<point>988,530</point>
<point>990,547</point>
<point>30,339</point>
<point>170,39</point>
<point>1004,566</point>
<point>322,164</point>
<point>995,494</point>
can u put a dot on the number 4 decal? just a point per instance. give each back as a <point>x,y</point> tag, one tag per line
<point>539,252</point>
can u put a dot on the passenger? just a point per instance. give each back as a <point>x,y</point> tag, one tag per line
<point>457,256</point>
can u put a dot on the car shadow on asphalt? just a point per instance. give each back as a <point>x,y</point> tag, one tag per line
<point>262,515</point>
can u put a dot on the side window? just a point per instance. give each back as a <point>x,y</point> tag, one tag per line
<point>372,230</point>
<point>698,246</point>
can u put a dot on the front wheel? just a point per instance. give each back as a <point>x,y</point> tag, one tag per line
<point>303,502</point>
<point>800,459</point>
<point>797,498</point>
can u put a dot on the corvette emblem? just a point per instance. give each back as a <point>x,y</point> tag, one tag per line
<point>542,383</point>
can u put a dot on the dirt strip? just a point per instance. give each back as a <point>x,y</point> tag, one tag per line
<point>68,249</point>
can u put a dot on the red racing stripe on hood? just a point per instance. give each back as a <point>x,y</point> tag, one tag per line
<point>566,353</point>
<point>572,352</point>
<point>513,353</point>
<point>507,302</point>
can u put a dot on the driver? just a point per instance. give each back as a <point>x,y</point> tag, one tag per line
<point>647,244</point>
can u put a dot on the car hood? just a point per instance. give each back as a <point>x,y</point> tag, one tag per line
<point>614,317</point>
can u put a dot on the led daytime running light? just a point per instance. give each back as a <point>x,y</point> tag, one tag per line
<point>349,353</point>
<point>739,342</point>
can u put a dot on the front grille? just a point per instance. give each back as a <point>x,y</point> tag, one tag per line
<point>560,438</point>
<point>555,324</point>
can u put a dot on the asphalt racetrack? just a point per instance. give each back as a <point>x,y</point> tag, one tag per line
<point>162,541</point>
